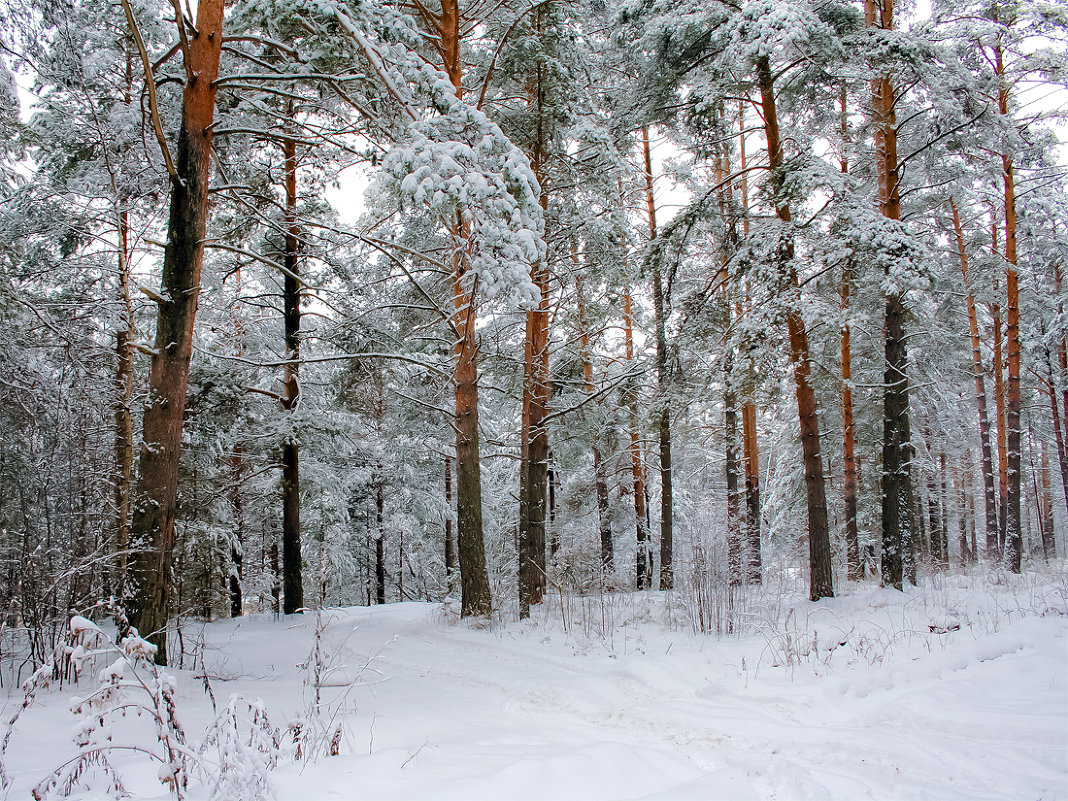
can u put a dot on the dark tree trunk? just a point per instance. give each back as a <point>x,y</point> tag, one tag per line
<point>474,580</point>
<point>735,542</point>
<point>152,529</point>
<point>749,429</point>
<point>124,388</point>
<point>962,518</point>
<point>849,439</point>
<point>642,560</point>
<point>237,553</point>
<point>897,449</point>
<point>600,478</point>
<point>475,594</point>
<point>752,493</point>
<point>292,564</point>
<point>663,416</point>
<point>553,534</point>
<point>989,487</point>
<point>1002,440</point>
<point>450,539</point>
<point>821,584</point>
<point>934,519</point>
<point>1013,402</point>
<point>380,540</point>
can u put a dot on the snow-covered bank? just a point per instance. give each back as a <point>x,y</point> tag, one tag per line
<point>955,690</point>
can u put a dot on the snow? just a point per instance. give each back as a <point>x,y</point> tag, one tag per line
<point>954,690</point>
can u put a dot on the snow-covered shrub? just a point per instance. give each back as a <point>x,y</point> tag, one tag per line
<point>132,682</point>
<point>232,761</point>
<point>239,750</point>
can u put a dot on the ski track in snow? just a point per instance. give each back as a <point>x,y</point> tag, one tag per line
<point>525,711</point>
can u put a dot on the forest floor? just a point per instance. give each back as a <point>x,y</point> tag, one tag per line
<point>957,689</point>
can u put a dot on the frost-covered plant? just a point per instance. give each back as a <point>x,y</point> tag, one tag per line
<point>320,731</point>
<point>242,747</point>
<point>130,683</point>
<point>238,751</point>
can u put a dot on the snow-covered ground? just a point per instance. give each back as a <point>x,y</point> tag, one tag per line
<point>955,690</point>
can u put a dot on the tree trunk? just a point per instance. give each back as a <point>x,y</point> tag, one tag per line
<point>749,430</point>
<point>475,594</point>
<point>735,542</point>
<point>752,492</point>
<point>990,493</point>
<point>600,478</point>
<point>1003,441</point>
<point>1013,402</point>
<point>152,529</point>
<point>663,415</point>
<point>124,388</point>
<point>897,448</point>
<point>820,573</point>
<point>474,580</point>
<point>849,439</point>
<point>962,517</point>
<point>1049,543</point>
<point>642,557</point>
<point>380,539</point>
<point>1058,428</point>
<point>450,539</point>
<point>237,553</point>
<point>534,436</point>
<point>292,564</point>
<point>854,565</point>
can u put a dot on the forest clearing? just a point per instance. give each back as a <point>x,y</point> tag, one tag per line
<point>957,689</point>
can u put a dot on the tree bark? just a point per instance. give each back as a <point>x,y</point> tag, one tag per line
<point>821,583</point>
<point>292,564</point>
<point>380,539</point>
<point>152,529</point>
<point>600,478</point>
<point>990,492</point>
<point>534,436</point>
<point>849,438</point>
<point>642,558</point>
<point>897,447</point>
<point>1013,401</point>
<point>735,542</point>
<point>750,447</point>
<point>124,388</point>
<point>475,594</point>
<point>1002,440</point>
<point>450,539</point>
<point>854,566</point>
<point>663,413</point>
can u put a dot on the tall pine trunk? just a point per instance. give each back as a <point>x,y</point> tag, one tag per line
<point>450,537</point>
<point>642,561</point>
<point>292,565</point>
<point>1000,408</point>
<point>750,448</point>
<point>821,583</point>
<point>1013,402</point>
<point>124,388</point>
<point>152,530</point>
<point>475,594</point>
<point>849,438</point>
<point>897,447</point>
<point>989,489</point>
<point>663,412</point>
<point>854,565</point>
<point>600,477</point>
<point>534,436</point>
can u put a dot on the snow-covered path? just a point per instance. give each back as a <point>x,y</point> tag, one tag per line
<point>529,711</point>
